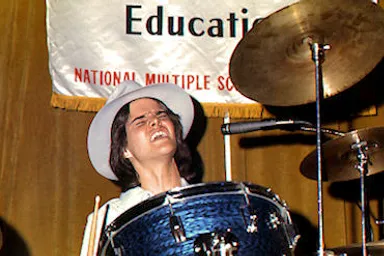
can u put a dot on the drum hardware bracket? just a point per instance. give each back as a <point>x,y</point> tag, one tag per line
<point>175,222</point>
<point>278,199</point>
<point>216,244</point>
<point>177,229</point>
<point>274,221</point>
<point>290,231</point>
<point>252,225</point>
<point>108,231</point>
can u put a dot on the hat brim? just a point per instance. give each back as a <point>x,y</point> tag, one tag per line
<point>99,134</point>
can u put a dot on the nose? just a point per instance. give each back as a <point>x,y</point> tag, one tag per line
<point>154,121</point>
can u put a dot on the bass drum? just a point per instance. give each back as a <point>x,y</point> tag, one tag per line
<point>205,219</point>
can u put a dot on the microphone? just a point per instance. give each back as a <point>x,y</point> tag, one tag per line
<point>268,124</point>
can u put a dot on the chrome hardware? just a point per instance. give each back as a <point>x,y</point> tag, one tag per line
<point>177,229</point>
<point>216,244</point>
<point>251,225</point>
<point>117,250</point>
<point>274,221</point>
<point>175,223</point>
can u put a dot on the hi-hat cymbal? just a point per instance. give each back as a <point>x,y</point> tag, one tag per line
<point>273,63</point>
<point>339,156</point>
<point>373,248</point>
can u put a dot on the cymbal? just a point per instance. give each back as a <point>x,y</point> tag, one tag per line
<point>273,64</point>
<point>373,248</point>
<point>339,158</point>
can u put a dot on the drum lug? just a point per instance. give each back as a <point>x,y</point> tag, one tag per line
<point>117,250</point>
<point>274,221</point>
<point>175,222</point>
<point>177,229</point>
<point>251,225</point>
<point>216,244</point>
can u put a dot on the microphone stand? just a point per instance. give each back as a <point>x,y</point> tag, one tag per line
<point>227,151</point>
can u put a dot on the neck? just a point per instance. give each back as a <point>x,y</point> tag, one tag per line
<point>159,177</point>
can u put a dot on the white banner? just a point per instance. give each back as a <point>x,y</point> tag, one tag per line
<point>94,45</point>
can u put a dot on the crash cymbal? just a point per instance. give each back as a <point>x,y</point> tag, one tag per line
<point>273,63</point>
<point>373,248</point>
<point>339,158</point>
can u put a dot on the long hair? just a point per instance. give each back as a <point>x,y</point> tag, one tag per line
<point>123,168</point>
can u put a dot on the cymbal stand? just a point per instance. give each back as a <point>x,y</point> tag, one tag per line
<point>362,167</point>
<point>318,52</point>
<point>318,57</point>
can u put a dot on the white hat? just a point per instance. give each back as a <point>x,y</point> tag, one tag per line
<point>99,133</point>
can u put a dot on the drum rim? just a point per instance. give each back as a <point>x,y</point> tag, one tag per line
<point>192,190</point>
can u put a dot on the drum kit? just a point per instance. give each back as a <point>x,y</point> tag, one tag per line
<point>330,44</point>
<point>224,218</point>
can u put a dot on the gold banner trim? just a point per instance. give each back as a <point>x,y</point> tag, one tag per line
<point>87,104</point>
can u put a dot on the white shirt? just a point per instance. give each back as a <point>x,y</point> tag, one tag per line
<point>117,206</point>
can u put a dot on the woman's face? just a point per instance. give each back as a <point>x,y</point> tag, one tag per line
<point>150,131</point>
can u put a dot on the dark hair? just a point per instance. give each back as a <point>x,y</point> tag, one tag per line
<point>123,168</point>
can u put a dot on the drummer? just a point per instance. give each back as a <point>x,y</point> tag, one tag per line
<point>137,141</point>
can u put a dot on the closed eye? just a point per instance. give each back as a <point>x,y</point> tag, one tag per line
<point>139,123</point>
<point>162,114</point>
<point>140,120</point>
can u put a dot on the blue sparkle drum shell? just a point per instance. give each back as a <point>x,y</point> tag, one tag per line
<point>203,209</point>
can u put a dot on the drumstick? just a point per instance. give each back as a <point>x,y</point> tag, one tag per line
<point>92,234</point>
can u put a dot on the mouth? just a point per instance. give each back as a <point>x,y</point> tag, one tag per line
<point>158,135</point>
